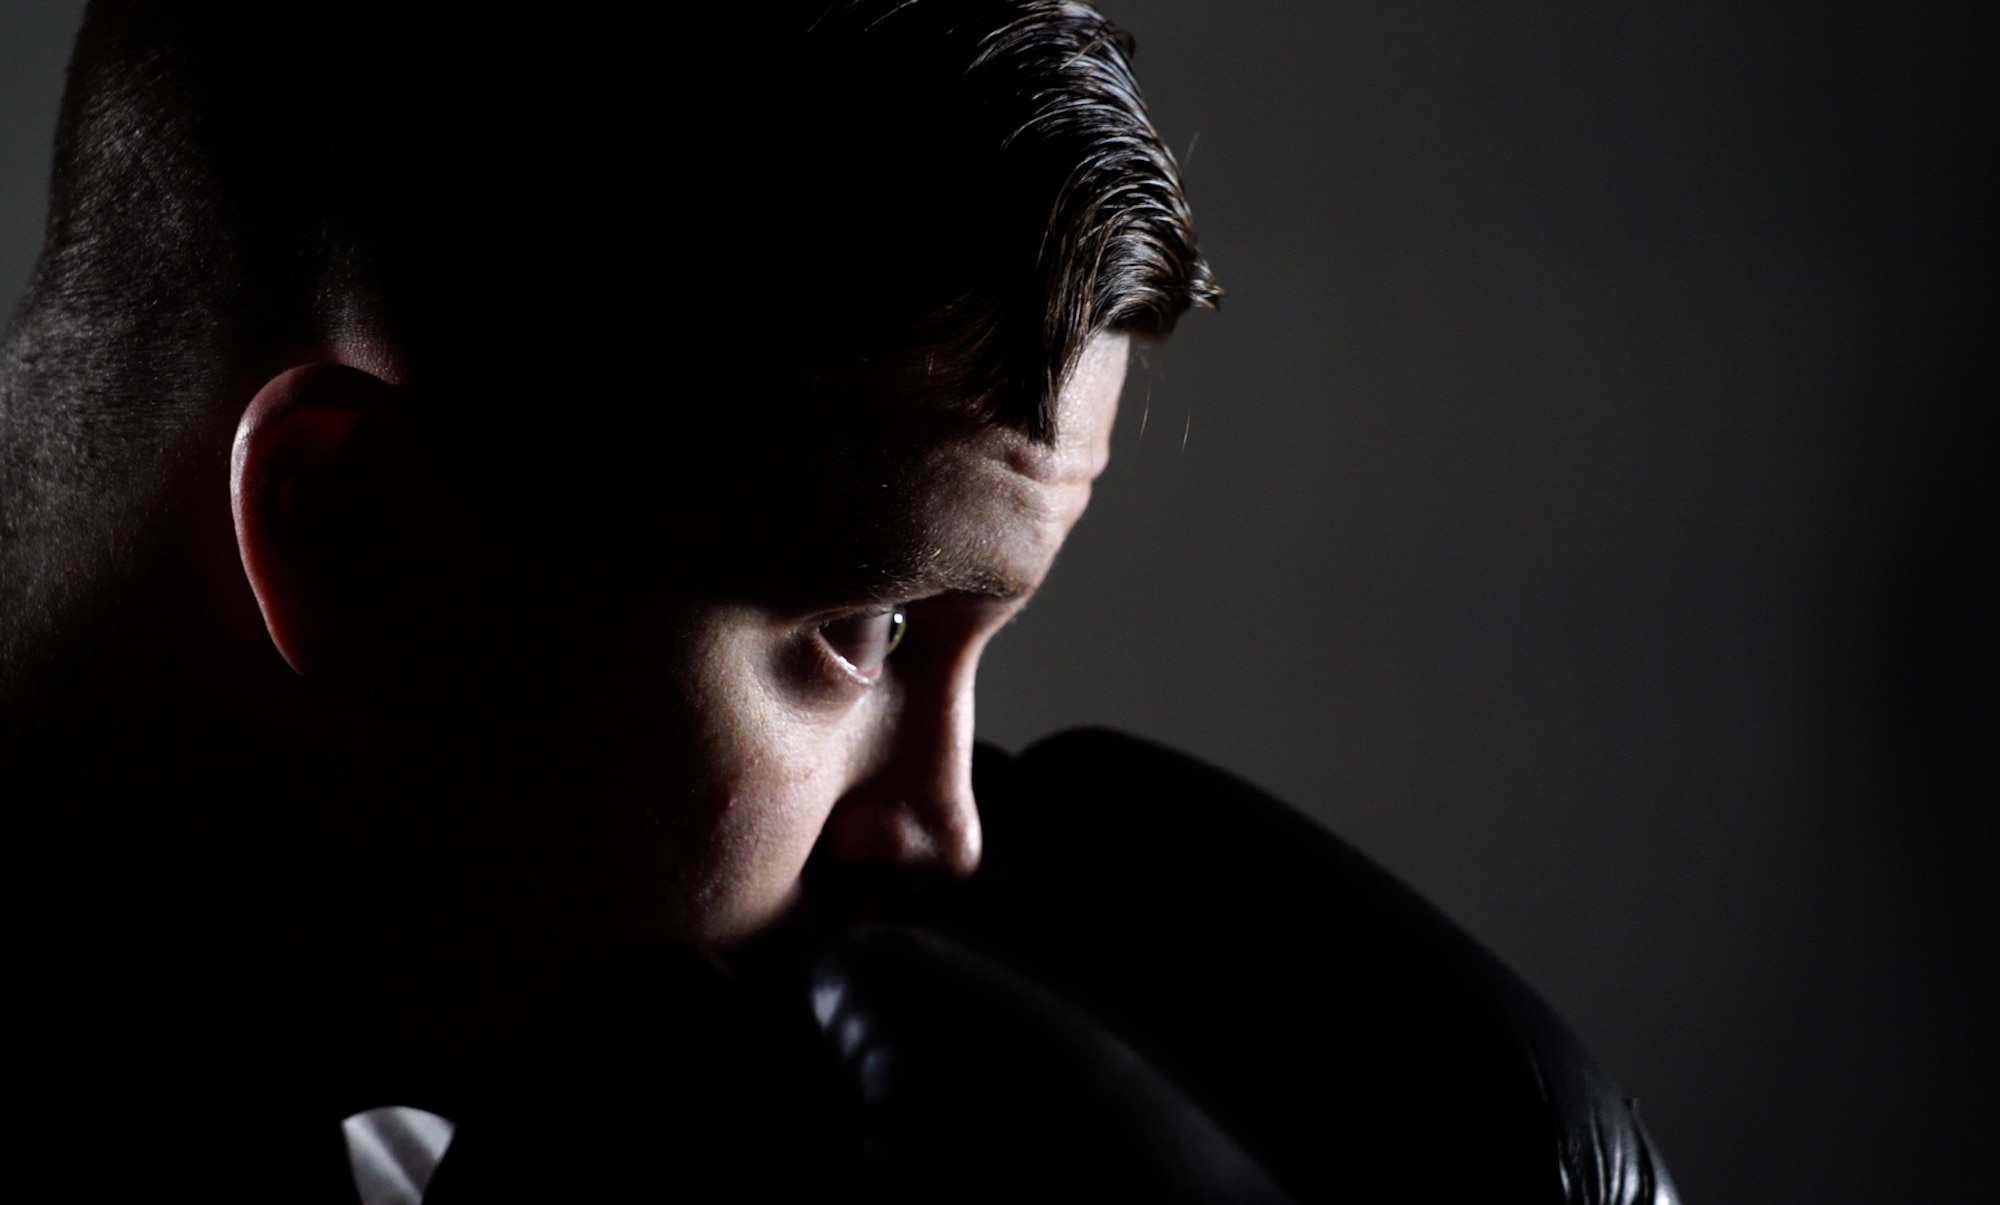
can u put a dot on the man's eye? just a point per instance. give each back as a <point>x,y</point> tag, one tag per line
<point>864,641</point>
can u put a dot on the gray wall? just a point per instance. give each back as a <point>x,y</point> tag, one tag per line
<point>1581,504</point>
<point>34,44</point>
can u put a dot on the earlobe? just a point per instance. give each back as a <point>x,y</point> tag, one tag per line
<point>308,487</point>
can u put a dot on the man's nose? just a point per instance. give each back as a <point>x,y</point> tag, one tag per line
<point>914,809</point>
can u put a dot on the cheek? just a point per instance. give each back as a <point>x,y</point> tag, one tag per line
<point>775,799</point>
<point>757,783</point>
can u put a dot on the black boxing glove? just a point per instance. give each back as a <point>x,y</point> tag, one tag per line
<point>1333,1024</point>
<point>659,1078</point>
<point>1162,984</point>
<point>976,1086</point>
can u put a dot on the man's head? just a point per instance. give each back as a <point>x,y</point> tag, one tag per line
<point>520,447</point>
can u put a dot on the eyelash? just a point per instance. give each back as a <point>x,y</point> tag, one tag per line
<point>867,666</point>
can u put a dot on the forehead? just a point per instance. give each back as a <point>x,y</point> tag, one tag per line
<point>897,496</point>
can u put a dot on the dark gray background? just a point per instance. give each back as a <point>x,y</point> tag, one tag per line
<point>1583,503</point>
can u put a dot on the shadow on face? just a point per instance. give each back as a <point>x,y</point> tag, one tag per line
<point>780,720</point>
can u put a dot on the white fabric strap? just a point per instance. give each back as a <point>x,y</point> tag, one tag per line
<point>393,1151</point>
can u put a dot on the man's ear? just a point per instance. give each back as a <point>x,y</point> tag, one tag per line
<point>311,484</point>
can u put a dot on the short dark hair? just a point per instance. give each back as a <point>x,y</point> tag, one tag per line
<point>975,180</point>
<point>1045,179</point>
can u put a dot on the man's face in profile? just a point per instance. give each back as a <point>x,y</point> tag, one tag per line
<point>804,677</point>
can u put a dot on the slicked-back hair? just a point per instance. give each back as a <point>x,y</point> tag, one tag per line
<point>556,230</point>
<point>1045,204</point>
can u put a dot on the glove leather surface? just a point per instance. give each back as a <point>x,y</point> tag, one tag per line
<point>1162,984</point>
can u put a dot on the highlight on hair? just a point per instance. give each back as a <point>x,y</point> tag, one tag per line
<point>1084,207</point>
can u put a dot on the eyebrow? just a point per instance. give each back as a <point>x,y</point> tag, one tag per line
<point>917,571</point>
